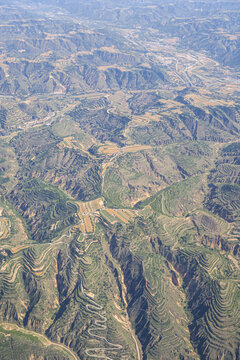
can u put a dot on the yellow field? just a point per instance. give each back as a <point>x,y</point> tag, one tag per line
<point>146,118</point>
<point>113,149</point>
<point>130,213</point>
<point>120,214</point>
<point>109,150</point>
<point>4,228</point>
<point>16,249</point>
<point>121,217</point>
<point>146,65</point>
<point>198,100</point>
<point>88,224</point>
<point>111,49</point>
<point>111,212</point>
<point>114,66</point>
<point>85,211</point>
<point>68,142</point>
<point>71,143</point>
<point>85,208</point>
<point>135,148</point>
<point>75,228</point>
<point>85,226</point>
<point>177,111</point>
<point>127,214</point>
<point>82,227</point>
<point>230,36</point>
<point>36,272</point>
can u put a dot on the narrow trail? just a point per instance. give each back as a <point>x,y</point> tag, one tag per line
<point>100,325</point>
<point>99,312</point>
<point>96,309</point>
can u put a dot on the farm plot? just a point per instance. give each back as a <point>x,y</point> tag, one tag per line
<point>113,148</point>
<point>68,142</point>
<point>86,211</point>
<point>14,250</point>
<point>71,142</point>
<point>4,228</point>
<point>85,208</point>
<point>121,215</point>
<point>88,224</point>
<point>109,149</point>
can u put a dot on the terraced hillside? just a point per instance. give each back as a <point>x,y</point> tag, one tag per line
<point>119,180</point>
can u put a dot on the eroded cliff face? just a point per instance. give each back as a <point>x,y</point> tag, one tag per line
<point>146,307</point>
<point>207,302</point>
<point>136,286</point>
<point>119,180</point>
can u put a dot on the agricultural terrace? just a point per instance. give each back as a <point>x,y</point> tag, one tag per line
<point>86,214</point>
<point>113,148</point>
<point>118,215</point>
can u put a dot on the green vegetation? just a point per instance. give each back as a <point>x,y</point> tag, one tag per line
<point>47,211</point>
<point>232,148</point>
<point>178,199</point>
<point>103,125</point>
<point>27,344</point>
<point>119,180</point>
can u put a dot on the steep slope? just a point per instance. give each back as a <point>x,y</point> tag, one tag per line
<point>119,180</point>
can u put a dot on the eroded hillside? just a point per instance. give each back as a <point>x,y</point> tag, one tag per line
<point>119,180</point>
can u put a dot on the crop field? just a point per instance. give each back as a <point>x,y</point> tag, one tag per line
<point>16,249</point>
<point>200,100</point>
<point>146,118</point>
<point>67,142</point>
<point>86,214</point>
<point>5,225</point>
<point>114,215</point>
<point>85,208</point>
<point>135,148</point>
<point>119,180</point>
<point>88,224</point>
<point>72,143</point>
<point>109,149</point>
<point>113,149</point>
